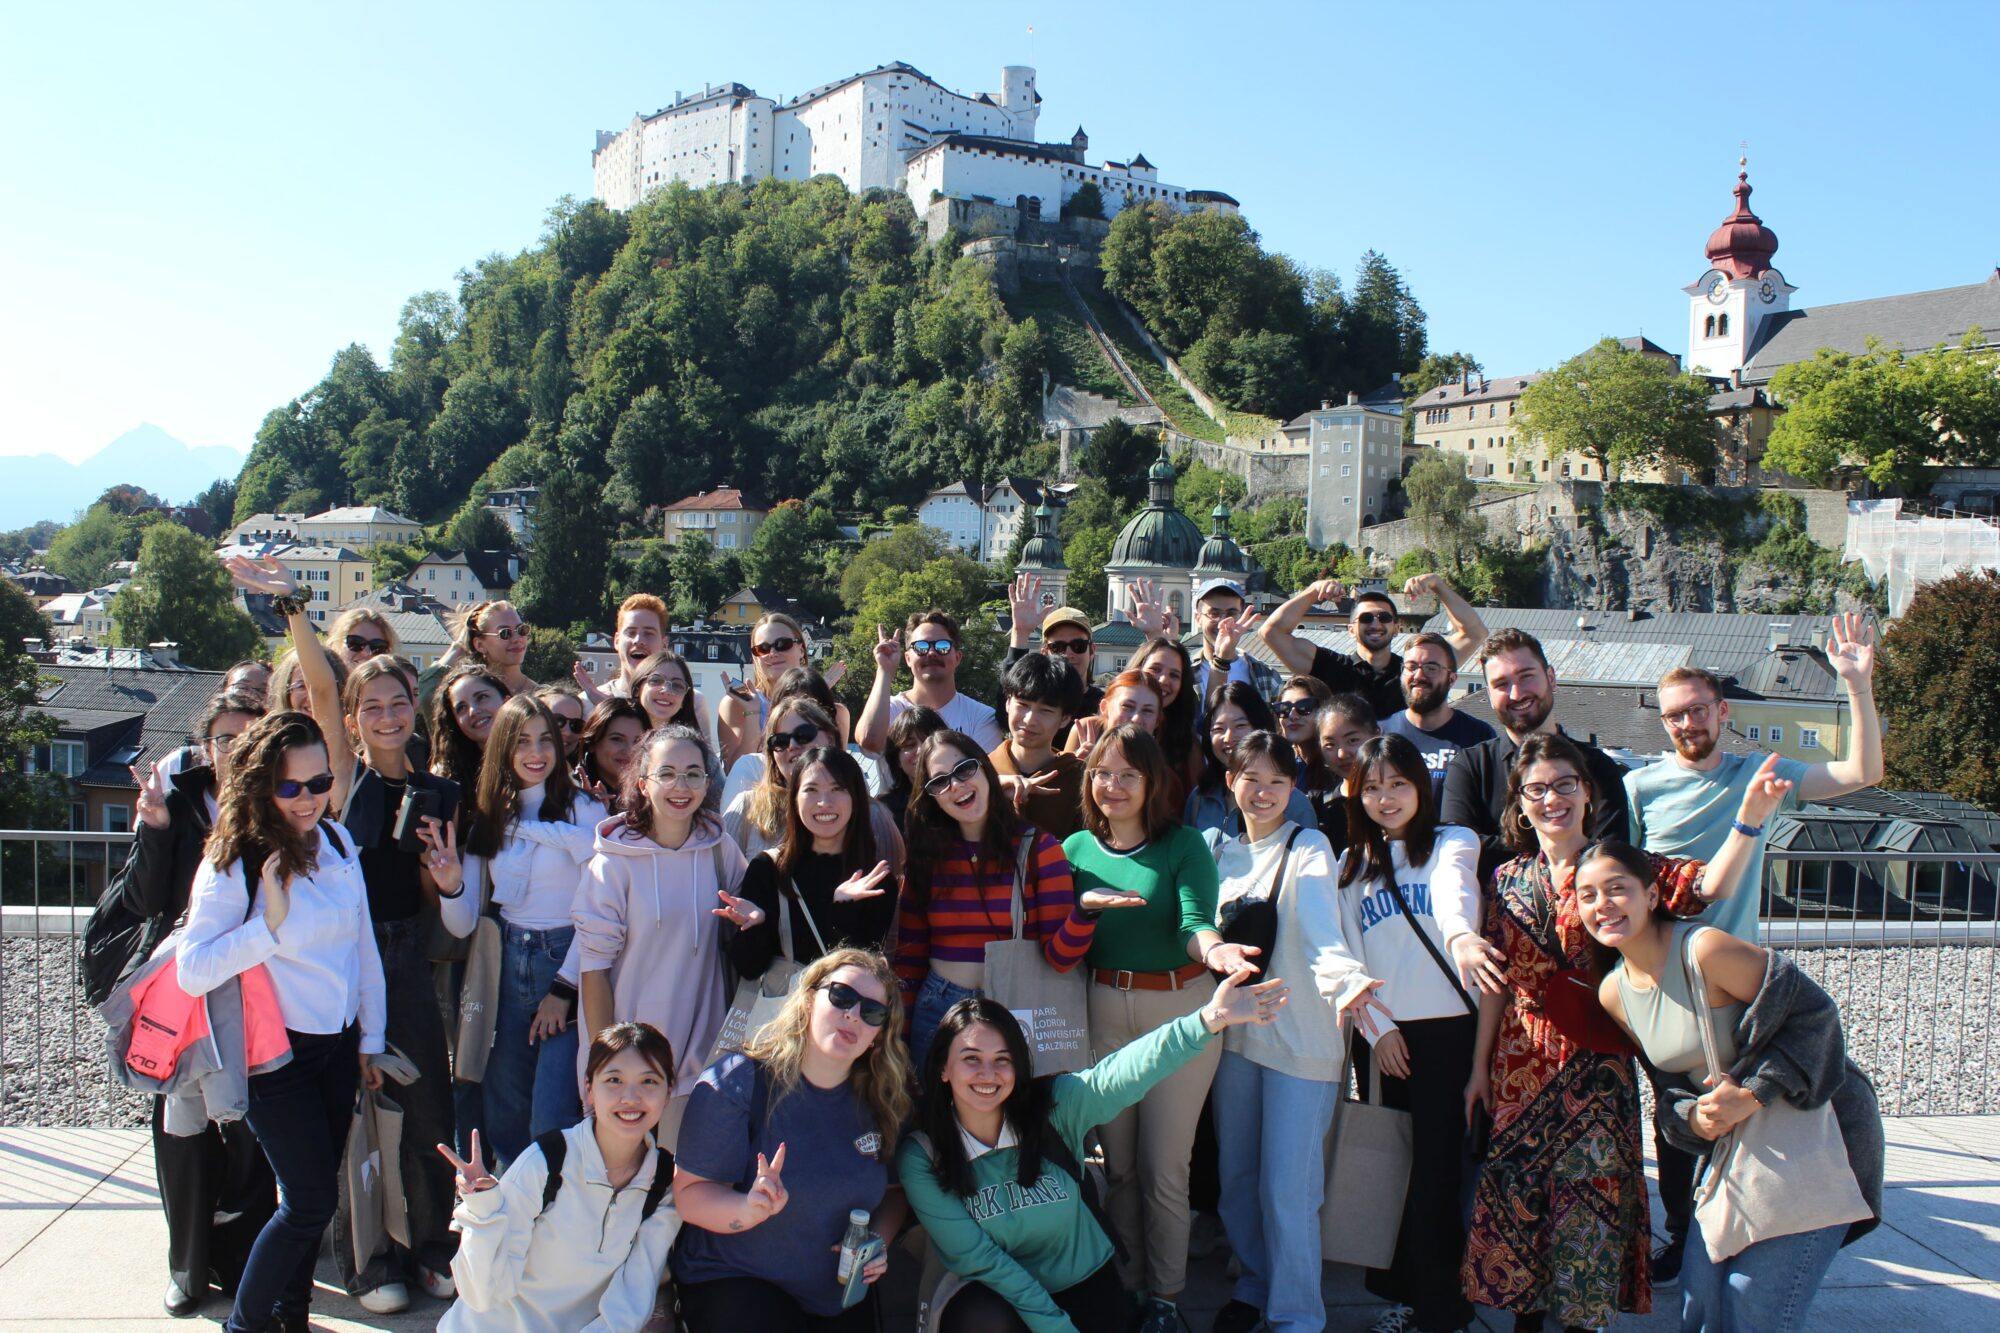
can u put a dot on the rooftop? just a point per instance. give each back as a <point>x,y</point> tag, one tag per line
<point>157,707</point>
<point>361,514</point>
<point>1915,322</point>
<point>725,497</point>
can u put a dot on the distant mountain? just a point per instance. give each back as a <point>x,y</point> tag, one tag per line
<point>39,486</point>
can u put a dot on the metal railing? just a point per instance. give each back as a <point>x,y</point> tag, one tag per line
<point>1908,944</point>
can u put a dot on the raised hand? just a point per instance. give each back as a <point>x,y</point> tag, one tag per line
<point>766,1195</point>
<point>1766,792</point>
<point>1086,732</point>
<point>1105,900</point>
<point>1021,790</point>
<point>1328,590</point>
<point>740,912</point>
<point>888,650</point>
<point>1024,601</point>
<point>864,884</point>
<point>265,575</point>
<point>740,688</point>
<point>1357,1010</point>
<point>834,673</point>
<point>277,894</point>
<point>1237,1001</point>
<point>472,1173</point>
<point>1479,961</point>
<point>441,861</point>
<point>1230,630</point>
<point>152,797</point>
<point>1419,584</point>
<point>1146,607</point>
<point>1850,651</point>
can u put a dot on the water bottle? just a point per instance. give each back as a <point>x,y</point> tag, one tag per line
<point>851,1243</point>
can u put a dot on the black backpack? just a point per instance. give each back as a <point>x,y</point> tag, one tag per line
<point>555,1147</point>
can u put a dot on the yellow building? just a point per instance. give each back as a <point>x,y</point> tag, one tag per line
<point>333,575</point>
<point>723,516</point>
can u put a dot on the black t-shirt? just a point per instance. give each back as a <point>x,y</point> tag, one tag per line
<point>395,891</point>
<point>865,923</point>
<point>1344,672</point>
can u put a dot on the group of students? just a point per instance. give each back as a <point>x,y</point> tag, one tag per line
<point>1258,898</point>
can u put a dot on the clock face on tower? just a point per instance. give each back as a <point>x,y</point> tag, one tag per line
<point>1766,292</point>
<point>1718,291</point>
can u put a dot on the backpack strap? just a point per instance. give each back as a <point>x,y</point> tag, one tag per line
<point>1023,854</point>
<point>554,1149</point>
<point>663,1179</point>
<point>760,1102</point>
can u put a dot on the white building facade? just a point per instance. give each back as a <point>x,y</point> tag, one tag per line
<point>1355,451</point>
<point>1729,305</point>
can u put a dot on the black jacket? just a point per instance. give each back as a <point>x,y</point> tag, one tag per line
<point>1475,795</point>
<point>150,895</point>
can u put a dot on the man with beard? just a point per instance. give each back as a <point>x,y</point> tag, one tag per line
<point>1523,691</point>
<point>1430,723</point>
<point>1679,806</point>
<point>933,657</point>
<point>1373,672</point>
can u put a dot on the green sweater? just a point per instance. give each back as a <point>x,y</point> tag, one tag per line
<point>1027,1243</point>
<point>1174,873</point>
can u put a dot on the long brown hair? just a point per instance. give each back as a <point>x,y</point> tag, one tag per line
<point>1368,846</point>
<point>596,724</point>
<point>685,715</point>
<point>637,811</point>
<point>929,833</point>
<point>249,827</point>
<point>1177,719</point>
<point>454,754</point>
<point>857,841</point>
<point>765,683</point>
<point>1143,753</point>
<point>880,1075</point>
<point>497,801</point>
<point>1555,748</point>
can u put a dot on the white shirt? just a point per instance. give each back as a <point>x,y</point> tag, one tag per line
<point>534,877</point>
<point>1377,943</point>
<point>322,959</point>
<point>963,714</point>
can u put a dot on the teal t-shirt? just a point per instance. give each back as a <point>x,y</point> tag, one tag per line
<point>1680,811</point>
<point>1174,873</point>
<point>1027,1243</point>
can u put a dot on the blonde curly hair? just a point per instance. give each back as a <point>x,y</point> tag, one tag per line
<point>880,1076</point>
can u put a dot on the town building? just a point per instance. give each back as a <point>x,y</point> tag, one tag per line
<point>265,530</point>
<point>980,524</point>
<point>1162,546</point>
<point>1042,559</point>
<point>725,516</point>
<point>747,605</point>
<point>1355,459</point>
<point>359,526</point>
<point>330,576</point>
<point>516,507</point>
<point>83,617</point>
<point>457,579</point>
<point>42,586</point>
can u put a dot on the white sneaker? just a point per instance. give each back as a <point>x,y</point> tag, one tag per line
<point>438,1285</point>
<point>389,1298</point>
<point>1397,1319</point>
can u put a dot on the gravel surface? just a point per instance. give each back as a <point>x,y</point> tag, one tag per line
<point>1917,1019</point>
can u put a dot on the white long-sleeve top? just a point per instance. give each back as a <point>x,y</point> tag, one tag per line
<point>322,959</point>
<point>1304,1039</point>
<point>589,1263</point>
<point>1377,944</point>
<point>534,877</point>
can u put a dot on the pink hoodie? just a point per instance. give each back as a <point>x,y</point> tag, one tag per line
<point>643,914</point>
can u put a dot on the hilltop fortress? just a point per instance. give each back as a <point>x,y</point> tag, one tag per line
<point>890,128</point>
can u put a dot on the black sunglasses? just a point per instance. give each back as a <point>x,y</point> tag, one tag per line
<point>1299,708</point>
<point>843,996</point>
<point>510,632</point>
<point>803,734</point>
<point>1069,645</point>
<point>925,647</point>
<point>779,645</point>
<point>961,772</point>
<point>573,725</point>
<point>1374,617</point>
<point>357,644</point>
<point>289,790</point>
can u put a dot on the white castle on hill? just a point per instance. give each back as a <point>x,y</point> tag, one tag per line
<point>891,128</point>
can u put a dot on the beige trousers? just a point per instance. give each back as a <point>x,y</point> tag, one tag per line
<point>1147,1147</point>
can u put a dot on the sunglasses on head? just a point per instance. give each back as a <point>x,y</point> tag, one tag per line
<point>844,997</point>
<point>289,790</point>
<point>925,647</point>
<point>357,644</point>
<point>504,634</point>
<point>1069,645</point>
<point>802,735</point>
<point>962,771</point>
<point>782,644</point>
<point>1374,617</point>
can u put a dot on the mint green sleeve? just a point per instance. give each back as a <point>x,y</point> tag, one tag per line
<point>1084,1101</point>
<point>964,1247</point>
<point>1196,880</point>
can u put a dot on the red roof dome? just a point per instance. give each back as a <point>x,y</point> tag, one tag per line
<point>1742,246</point>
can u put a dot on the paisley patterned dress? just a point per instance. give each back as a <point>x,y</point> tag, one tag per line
<point>1559,1220</point>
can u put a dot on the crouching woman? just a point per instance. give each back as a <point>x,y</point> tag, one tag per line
<point>575,1235</point>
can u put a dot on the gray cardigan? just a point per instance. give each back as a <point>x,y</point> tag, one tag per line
<point>1789,1045</point>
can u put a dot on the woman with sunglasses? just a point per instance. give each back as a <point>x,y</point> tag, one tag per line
<point>292,686</point>
<point>966,858</point>
<point>565,705</point>
<point>1559,1220</point>
<point>1299,699</point>
<point>987,1175</point>
<point>824,886</point>
<point>610,734</point>
<point>1150,963</point>
<point>461,718</point>
<point>489,634</point>
<point>280,886</point>
<point>359,633</point>
<point>1236,712</point>
<point>777,645</point>
<point>782,1145</point>
<point>648,941</point>
<point>756,818</point>
<point>220,1171</point>
<point>799,683</point>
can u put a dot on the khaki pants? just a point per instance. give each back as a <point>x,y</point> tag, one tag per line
<point>1147,1147</point>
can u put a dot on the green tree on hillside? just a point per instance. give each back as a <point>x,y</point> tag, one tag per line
<point>908,571</point>
<point>1201,487</point>
<point>1441,497</point>
<point>477,527</point>
<point>1437,369</point>
<point>83,552</point>
<point>19,619</point>
<point>1087,202</point>
<point>218,502</point>
<point>1119,455</point>
<point>1624,410</point>
<point>181,592</point>
<point>1940,712</point>
<point>788,553</point>
<point>701,578</point>
<point>569,567</point>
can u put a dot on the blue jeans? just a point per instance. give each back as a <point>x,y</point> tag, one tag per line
<point>934,997</point>
<point>529,1089</point>
<point>1270,1131</point>
<point>1764,1289</point>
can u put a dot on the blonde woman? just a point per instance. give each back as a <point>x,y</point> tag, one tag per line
<point>777,644</point>
<point>359,633</point>
<point>781,1144</point>
<point>491,634</point>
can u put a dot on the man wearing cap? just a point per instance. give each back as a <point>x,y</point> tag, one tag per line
<point>1372,671</point>
<point>1065,636</point>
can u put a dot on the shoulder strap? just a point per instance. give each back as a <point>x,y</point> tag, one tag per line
<point>1021,856</point>
<point>1704,1017</point>
<point>326,829</point>
<point>790,890</point>
<point>663,1179</point>
<point>760,1100</point>
<point>1278,880</point>
<point>1444,965</point>
<point>554,1149</point>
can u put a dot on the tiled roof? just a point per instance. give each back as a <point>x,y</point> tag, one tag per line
<point>726,497</point>
<point>1497,388</point>
<point>160,706</point>
<point>360,514</point>
<point>1727,643</point>
<point>986,143</point>
<point>1915,322</point>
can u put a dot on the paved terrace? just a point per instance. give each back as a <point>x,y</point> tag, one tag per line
<point>82,1244</point>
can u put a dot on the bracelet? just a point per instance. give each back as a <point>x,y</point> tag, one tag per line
<point>1747,830</point>
<point>288,604</point>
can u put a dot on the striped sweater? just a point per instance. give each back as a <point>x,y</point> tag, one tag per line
<point>969,907</point>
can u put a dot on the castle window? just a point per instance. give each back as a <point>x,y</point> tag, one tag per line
<point>1722,326</point>
<point>1708,327</point>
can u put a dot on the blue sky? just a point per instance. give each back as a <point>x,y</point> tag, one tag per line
<point>208,200</point>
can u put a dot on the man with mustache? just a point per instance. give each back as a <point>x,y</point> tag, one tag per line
<point>1429,722</point>
<point>933,657</point>
<point>1372,671</point>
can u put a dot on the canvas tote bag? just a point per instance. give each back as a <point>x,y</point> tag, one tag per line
<point>1782,1172</point>
<point>1368,1154</point>
<point>1052,1007</point>
<point>758,999</point>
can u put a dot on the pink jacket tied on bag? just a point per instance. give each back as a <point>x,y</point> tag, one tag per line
<point>167,1021</point>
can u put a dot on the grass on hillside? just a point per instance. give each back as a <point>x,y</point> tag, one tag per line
<point>1248,425</point>
<point>1079,362</point>
<point>1173,400</point>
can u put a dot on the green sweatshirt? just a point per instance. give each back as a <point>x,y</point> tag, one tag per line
<point>1027,1243</point>
<point>1174,873</point>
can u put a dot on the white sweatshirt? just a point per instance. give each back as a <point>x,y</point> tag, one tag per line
<point>1377,944</point>
<point>534,877</point>
<point>587,1264</point>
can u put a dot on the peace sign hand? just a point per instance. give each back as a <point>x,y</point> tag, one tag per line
<point>265,575</point>
<point>152,797</point>
<point>1230,630</point>
<point>888,650</point>
<point>473,1177</point>
<point>1021,790</point>
<point>766,1195</point>
<point>863,885</point>
<point>1766,792</point>
<point>1237,1002</point>
<point>441,861</point>
<point>740,912</point>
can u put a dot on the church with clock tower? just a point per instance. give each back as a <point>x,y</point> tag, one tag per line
<point>1731,304</point>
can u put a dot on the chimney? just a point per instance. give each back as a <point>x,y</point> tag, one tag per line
<point>1482,381</point>
<point>1325,404</point>
<point>1395,377</point>
<point>1465,381</point>
<point>31,645</point>
<point>1353,398</point>
<point>1780,635</point>
<point>165,653</point>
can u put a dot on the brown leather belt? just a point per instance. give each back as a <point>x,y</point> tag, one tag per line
<point>1178,979</point>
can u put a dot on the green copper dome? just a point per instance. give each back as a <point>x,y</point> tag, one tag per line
<point>1159,534</point>
<point>1043,550</point>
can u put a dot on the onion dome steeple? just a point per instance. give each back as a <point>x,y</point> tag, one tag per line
<point>1742,246</point>
<point>1043,550</point>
